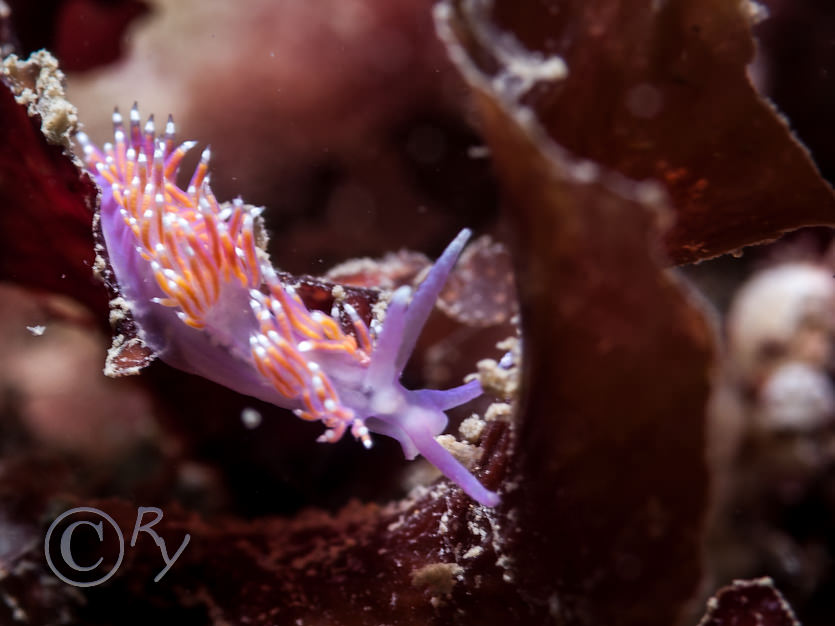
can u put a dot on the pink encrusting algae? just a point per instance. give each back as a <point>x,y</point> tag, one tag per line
<point>206,300</point>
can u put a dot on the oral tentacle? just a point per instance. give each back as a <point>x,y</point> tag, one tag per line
<point>445,399</point>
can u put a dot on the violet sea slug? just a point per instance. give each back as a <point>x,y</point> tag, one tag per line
<point>206,299</point>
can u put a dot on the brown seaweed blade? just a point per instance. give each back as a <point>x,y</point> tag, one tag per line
<point>612,483</point>
<point>659,90</point>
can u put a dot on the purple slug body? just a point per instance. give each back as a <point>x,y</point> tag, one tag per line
<point>206,300</point>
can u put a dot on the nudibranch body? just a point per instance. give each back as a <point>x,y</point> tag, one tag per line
<point>206,300</point>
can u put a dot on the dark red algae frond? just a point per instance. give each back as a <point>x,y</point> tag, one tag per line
<point>47,199</point>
